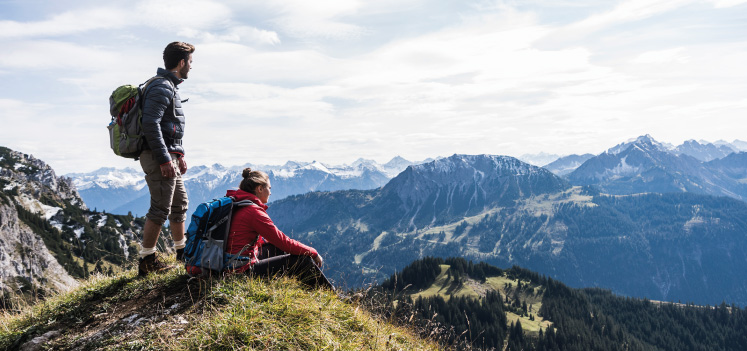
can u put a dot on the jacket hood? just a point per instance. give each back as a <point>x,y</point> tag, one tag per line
<point>243,195</point>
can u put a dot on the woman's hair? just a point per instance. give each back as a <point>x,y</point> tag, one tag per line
<point>252,179</point>
<point>176,52</point>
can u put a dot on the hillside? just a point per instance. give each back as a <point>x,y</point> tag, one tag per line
<point>171,312</point>
<point>48,238</point>
<point>515,309</point>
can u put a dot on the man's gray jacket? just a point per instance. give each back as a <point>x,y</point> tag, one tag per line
<point>163,117</point>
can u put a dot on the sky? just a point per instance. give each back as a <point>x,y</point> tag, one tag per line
<point>334,81</point>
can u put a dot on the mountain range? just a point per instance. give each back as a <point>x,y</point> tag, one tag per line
<point>673,246</point>
<point>647,166</point>
<point>124,191</point>
<point>703,151</point>
<point>567,164</point>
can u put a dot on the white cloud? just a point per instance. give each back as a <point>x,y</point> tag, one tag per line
<point>176,15</point>
<point>67,23</point>
<point>316,19</point>
<point>51,55</point>
<point>662,56</point>
<point>233,62</point>
<point>627,11</point>
<point>726,3</point>
<point>235,34</point>
<point>480,85</point>
<point>68,137</point>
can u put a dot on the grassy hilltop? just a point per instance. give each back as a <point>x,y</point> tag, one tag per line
<point>486,307</point>
<point>171,312</point>
<point>447,286</point>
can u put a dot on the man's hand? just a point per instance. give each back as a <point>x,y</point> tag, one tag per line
<point>168,170</point>
<point>182,165</point>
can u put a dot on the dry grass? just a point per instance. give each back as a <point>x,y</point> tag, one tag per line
<point>170,312</point>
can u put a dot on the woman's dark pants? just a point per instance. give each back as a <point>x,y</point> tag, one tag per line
<point>273,261</point>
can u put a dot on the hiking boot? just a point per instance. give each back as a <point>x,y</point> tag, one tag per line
<point>151,263</point>
<point>180,255</point>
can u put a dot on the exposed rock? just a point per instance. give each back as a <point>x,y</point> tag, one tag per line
<point>38,342</point>
<point>24,255</point>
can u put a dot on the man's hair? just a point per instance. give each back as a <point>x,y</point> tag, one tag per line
<point>175,52</point>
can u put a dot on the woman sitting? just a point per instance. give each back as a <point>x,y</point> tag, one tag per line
<point>254,238</point>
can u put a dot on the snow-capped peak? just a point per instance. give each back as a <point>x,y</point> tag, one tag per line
<point>108,177</point>
<point>363,161</point>
<point>643,142</point>
<point>317,166</point>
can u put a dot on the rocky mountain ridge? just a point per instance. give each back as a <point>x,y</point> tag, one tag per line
<point>25,261</point>
<point>48,237</point>
<point>702,150</point>
<point>647,166</point>
<point>459,186</point>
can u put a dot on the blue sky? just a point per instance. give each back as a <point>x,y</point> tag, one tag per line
<point>337,80</point>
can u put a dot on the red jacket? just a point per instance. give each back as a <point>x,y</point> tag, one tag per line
<point>249,221</point>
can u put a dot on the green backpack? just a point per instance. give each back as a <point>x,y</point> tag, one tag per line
<point>126,127</point>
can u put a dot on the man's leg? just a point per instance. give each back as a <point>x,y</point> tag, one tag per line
<point>177,234</point>
<point>151,231</point>
<point>161,193</point>
<point>178,216</point>
<point>148,260</point>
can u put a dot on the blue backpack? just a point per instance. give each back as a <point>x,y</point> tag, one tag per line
<point>205,251</point>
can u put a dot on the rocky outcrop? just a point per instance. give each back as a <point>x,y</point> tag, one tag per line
<point>25,262</point>
<point>34,177</point>
<point>28,184</point>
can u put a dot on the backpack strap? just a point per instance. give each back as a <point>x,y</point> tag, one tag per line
<point>237,257</point>
<point>144,87</point>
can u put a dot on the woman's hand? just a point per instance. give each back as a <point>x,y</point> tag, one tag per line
<point>318,261</point>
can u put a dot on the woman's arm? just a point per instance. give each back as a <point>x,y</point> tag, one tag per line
<point>267,229</point>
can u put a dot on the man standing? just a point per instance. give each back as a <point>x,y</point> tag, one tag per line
<point>163,156</point>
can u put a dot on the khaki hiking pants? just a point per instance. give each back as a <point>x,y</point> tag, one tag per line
<point>168,196</point>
